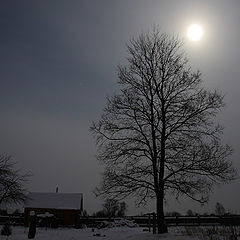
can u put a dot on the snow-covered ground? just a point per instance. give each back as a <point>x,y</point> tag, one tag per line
<point>118,233</point>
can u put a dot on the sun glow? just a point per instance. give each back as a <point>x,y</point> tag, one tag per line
<point>195,32</point>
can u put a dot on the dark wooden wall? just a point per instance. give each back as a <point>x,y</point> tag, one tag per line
<point>65,217</point>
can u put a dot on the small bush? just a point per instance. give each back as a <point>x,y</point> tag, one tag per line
<point>212,232</point>
<point>6,230</point>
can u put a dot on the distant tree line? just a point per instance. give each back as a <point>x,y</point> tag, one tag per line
<point>218,211</point>
<point>112,208</point>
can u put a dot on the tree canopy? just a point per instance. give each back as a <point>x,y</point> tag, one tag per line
<point>159,134</point>
<point>12,181</point>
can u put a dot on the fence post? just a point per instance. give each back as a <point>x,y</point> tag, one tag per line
<point>149,222</point>
<point>154,223</point>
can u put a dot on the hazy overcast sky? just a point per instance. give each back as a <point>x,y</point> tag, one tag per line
<point>58,61</point>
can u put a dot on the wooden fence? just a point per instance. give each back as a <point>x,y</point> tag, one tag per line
<point>143,221</point>
<point>13,220</point>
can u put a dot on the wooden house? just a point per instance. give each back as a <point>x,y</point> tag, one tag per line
<point>65,207</point>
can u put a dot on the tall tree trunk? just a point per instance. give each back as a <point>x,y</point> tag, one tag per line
<point>162,227</point>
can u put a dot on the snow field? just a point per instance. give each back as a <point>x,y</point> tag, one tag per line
<point>118,233</point>
<point>127,233</point>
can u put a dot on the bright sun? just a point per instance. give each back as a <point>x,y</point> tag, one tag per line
<point>195,32</point>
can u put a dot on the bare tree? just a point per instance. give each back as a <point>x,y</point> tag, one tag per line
<point>12,181</point>
<point>158,135</point>
<point>111,207</point>
<point>190,212</point>
<point>122,209</point>
<point>219,209</point>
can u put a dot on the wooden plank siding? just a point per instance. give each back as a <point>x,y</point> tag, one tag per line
<point>65,217</point>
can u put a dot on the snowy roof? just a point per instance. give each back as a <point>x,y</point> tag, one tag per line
<point>54,200</point>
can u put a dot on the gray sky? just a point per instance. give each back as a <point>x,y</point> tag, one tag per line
<point>58,62</point>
